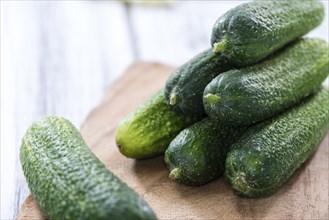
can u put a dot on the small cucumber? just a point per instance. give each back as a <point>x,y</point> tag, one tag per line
<point>270,151</point>
<point>197,155</point>
<point>250,94</point>
<point>149,129</point>
<point>68,181</point>
<point>251,31</point>
<point>184,88</point>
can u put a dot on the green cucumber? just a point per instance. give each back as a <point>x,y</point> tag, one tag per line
<point>68,181</point>
<point>149,129</point>
<point>197,155</point>
<point>251,31</point>
<point>254,93</point>
<point>269,152</point>
<point>184,87</point>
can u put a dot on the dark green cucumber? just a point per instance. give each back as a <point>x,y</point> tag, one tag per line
<point>148,130</point>
<point>250,94</point>
<point>270,151</point>
<point>197,155</point>
<point>184,88</point>
<point>68,181</point>
<point>251,31</point>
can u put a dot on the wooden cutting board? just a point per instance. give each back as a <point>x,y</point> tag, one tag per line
<point>304,196</point>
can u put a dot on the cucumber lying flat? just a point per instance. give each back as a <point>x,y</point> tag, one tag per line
<point>148,130</point>
<point>184,88</point>
<point>251,31</point>
<point>68,181</point>
<point>270,151</point>
<point>251,94</point>
<point>197,155</point>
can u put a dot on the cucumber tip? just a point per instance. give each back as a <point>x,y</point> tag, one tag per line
<point>212,99</point>
<point>175,173</point>
<point>173,98</point>
<point>219,46</point>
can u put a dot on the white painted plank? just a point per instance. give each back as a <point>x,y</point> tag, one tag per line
<point>56,59</point>
<point>18,44</point>
<point>175,33</point>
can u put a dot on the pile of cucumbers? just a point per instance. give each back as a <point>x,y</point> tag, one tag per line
<point>251,107</point>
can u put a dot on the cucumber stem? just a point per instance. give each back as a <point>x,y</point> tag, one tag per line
<point>173,98</point>
<point>212,99</point>
<point>241,185</point>
<point>175,173</point>
<point>219,46</point>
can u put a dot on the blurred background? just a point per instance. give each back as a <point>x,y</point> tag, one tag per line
<point>58,57</point>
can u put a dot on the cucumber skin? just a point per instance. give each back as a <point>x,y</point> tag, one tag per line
<point>190,79</point>
<point>68,181</point>
<point>199,152</point>
<point>254,93</point>
<point>148,130</point>
<point>269,152</point>
<point>256,29</point>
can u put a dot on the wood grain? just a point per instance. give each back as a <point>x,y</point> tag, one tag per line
<point>304,196</point>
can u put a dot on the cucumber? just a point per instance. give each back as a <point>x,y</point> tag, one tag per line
<point>197,155</point>
<point>68,181</point>
<point>251,31</point>
<point>184,87</point>
<point>270,151</point>
<point>254,93</point>
<point>149,129</point>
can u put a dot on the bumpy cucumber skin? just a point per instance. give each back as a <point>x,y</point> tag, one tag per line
<point>269,152</point>
<point>254,93</point>
<point>148,130</point>
<point>184,87</point>
<point>197,155</point>
<point>251,31</point>
<point>68,181</point>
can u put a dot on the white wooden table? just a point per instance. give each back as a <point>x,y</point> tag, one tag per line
<point>58,57</point>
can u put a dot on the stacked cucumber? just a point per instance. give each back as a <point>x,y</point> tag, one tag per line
<point>258,92</point>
